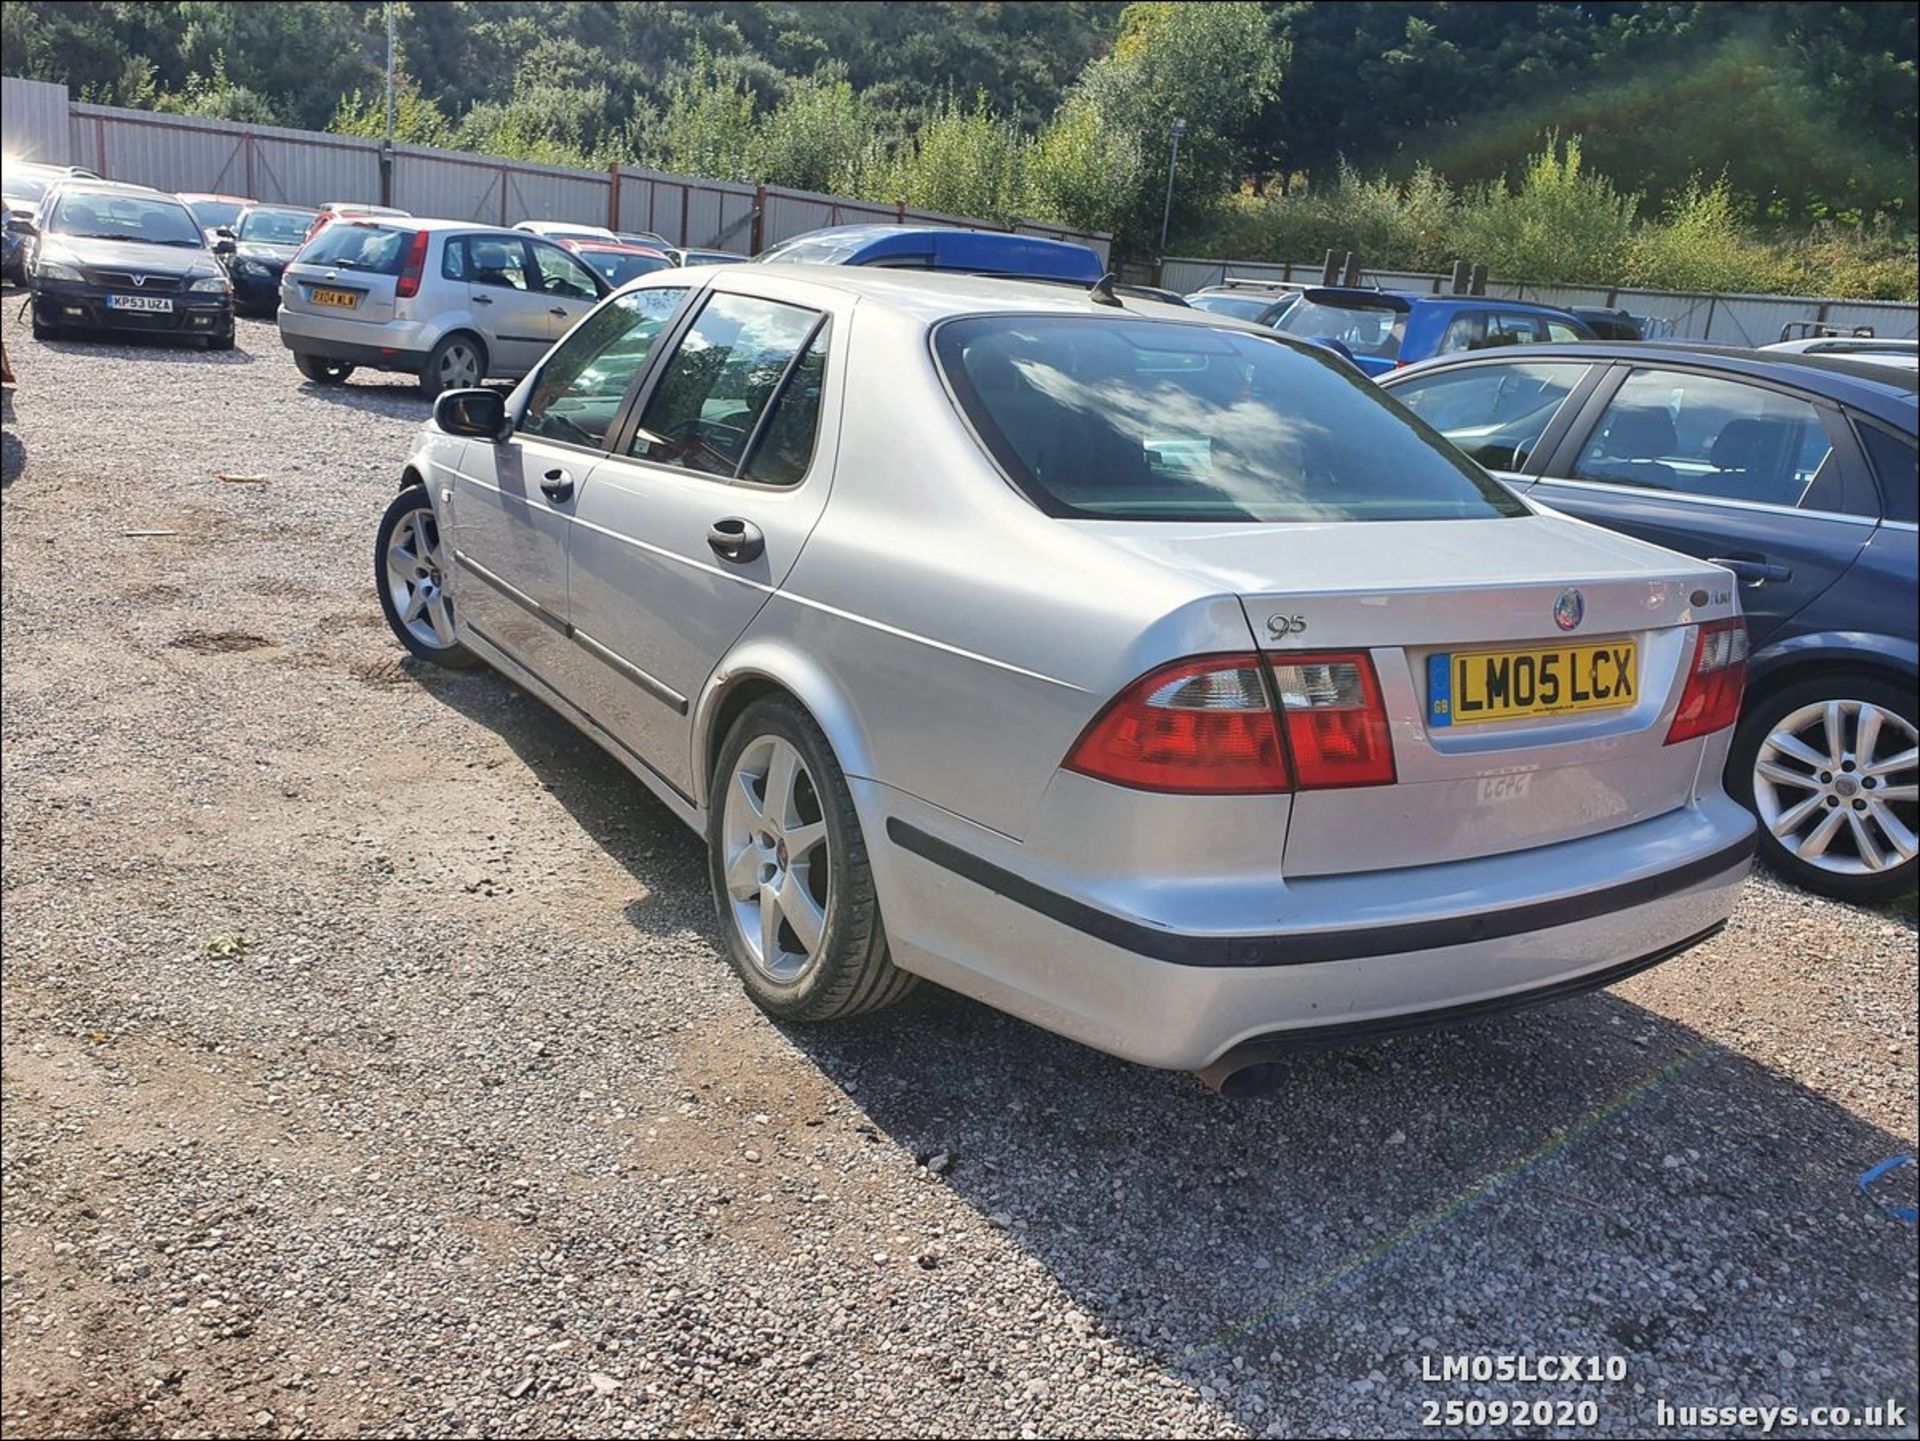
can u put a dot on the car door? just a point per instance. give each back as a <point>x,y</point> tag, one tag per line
<point>1733,469</point>
<point>684,535</point>
<point>1500,413</point>
<point>514,502</point>
<point>569,288</point>
<point>503,294</point>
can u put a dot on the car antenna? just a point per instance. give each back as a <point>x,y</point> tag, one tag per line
<point>1102,292</point>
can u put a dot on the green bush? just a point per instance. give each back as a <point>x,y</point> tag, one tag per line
<point>1559,224</point>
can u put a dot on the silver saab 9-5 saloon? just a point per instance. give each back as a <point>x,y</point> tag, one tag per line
<point>1145,675</point>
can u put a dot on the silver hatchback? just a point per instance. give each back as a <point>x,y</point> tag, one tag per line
<point>1146,675</point>
<point>448,301</point>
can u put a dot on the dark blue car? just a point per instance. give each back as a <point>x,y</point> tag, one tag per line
<point>932,247</point>
<point>1381,330</point>
<point>1798,474</point>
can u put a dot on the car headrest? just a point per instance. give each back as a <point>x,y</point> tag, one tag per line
<point>1750,445</point>
<point>1645,434</point>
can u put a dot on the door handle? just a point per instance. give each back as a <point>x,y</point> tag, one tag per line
<point>557,486</point>
<point>559,310</point>
<point>483,300</point>
<point>736,540</point>
<point>1754,570</point>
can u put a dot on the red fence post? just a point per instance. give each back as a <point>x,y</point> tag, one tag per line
<point>759,231</point>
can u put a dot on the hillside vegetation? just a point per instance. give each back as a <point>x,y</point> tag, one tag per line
<point>1743,145</point>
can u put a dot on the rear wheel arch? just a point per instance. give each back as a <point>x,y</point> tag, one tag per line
<point>768,671</point>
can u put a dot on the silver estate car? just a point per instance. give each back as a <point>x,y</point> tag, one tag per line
<point>447,300</point>
<point>1140,673</point>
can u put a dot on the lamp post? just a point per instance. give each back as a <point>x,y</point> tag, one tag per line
<point>1173,164</point>
<point>386,151</point>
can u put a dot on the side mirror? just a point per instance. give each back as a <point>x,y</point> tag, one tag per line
<point>224,246</point>
<point>224,232</point>
<point>20,225</point>
<point>478,414</point>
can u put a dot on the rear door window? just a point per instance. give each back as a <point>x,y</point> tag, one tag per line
<point>1707,435</point>
<point>1150,420</point>
<point>352,245</point>
<point>492,260</point>
<point>732,364</point>
<point>561,274</point>
<point>1495,413</point>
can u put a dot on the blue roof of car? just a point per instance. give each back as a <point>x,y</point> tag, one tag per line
<point>1334,294</point>
<point>937,247</point>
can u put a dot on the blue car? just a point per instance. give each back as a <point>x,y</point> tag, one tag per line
<point>1798,474</point>
<point>929,247</point>
<point>1380,330</point>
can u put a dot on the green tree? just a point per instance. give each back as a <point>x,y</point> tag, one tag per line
<point>1562,222</point>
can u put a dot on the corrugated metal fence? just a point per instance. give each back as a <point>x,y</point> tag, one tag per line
<point>1728,319</point>
<point>33,121</point>
<point>305,167</point>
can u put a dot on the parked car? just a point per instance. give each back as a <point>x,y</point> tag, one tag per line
<point>645,237</point>
<point>349,209</point>
<point>563,230</point>
<point>111,257</point>
<point>1796,472</point>
<point>617,263</point>
<point>1152,292</point>
<point>214,212</point>
<point>23,185</point>
<point>1383,329</point>
<point>683,256</point>
<point>1899,354</point>
<point>1257,302</point>
<point>1137,673</point>
<point>932,247</point>
<point>265,238</point>
<point>446,300</point>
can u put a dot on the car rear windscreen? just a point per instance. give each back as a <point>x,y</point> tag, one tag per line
<point>1152,420</point>
<point>354,245</point>
<point>1372,331</point>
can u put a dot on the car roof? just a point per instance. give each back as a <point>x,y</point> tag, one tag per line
<point>1881,389</point>
<point>618,247</point>
<point>213,195</point>
<point>880,241</point>
<point>79,183</point>
<point>253,205</point>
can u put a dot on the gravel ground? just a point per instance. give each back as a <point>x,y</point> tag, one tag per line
<point>370,1068</point>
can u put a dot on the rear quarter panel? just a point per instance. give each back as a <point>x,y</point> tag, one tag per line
<point>968,637</point>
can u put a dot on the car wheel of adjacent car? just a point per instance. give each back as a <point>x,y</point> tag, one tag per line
<point>320,370</point>
<point>410,569</point>
<point>1829,767</point>
<point>220,342</point>
<point>790,874</point>
<point>458,361</point>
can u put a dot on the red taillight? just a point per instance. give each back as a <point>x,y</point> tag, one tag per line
<point>1197,727</point>
<point>1336,721</point>
<point>416,264</point>
<point>1207,727</point>
<point>1715,681</point>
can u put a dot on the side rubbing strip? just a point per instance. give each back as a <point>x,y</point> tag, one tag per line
<point>1312,948</point>
<point>513,593</point>
<point>658,690</point>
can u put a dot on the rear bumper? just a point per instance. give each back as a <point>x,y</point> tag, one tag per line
<point>395,345</point>
<point>1345,957</point>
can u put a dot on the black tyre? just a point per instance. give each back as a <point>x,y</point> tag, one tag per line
<point>410,572</point>
<point>458,361</point>
<point>1827,764</point>
<point>789,870</point>
<point>320,370</point>
<point>221,342</point>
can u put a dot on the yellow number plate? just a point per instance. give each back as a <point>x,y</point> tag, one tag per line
<point>340,299</point>
<point>1467,687</point>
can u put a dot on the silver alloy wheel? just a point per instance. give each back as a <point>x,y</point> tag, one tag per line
<point>417,580</point>
<point>774,840</point>
<point>459,366</point>
<point>1835,783</point>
